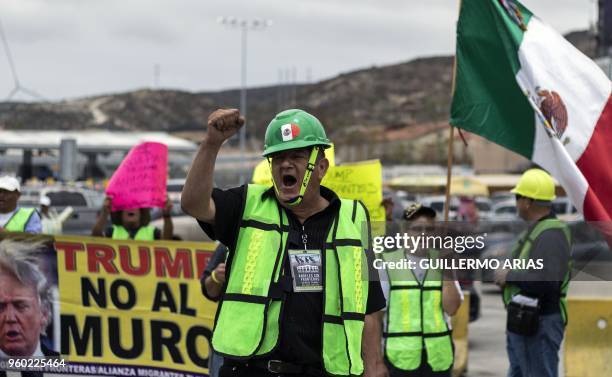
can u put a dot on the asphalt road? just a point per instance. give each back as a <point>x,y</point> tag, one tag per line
<point>487,342</point>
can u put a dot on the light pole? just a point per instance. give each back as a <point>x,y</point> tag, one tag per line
<point>244,25</point>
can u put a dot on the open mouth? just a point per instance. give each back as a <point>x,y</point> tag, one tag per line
<point>12,334</point>
<point>289,180</point>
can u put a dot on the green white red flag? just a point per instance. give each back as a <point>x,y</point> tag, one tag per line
<point>520,84</point>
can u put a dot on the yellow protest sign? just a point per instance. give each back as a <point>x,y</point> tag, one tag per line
<point>262,174</point>
<point>359,181</point>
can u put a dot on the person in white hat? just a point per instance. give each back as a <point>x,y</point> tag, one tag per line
<point>52,222</point>
<point>13,218</point>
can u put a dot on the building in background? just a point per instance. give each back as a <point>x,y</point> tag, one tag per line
<point>604,29</point>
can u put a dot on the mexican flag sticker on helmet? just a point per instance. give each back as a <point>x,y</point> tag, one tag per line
<point>289,131</point>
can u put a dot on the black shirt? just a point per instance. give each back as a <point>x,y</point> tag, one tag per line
<point>301,328</point>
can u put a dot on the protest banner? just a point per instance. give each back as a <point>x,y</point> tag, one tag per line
<point>127,308</point>
<point>140,179</point>
<point>359,181</point>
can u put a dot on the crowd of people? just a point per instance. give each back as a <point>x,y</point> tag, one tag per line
<point>293,273</point>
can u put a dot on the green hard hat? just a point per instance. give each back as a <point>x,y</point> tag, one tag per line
<point>294,129</point>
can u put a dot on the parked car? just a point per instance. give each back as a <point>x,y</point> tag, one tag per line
<point>590,252</point>
<point>501,196</point>
<point>504,211</point>
<point>174,187</point>
<point>563,206</point>
<point>186,228</point>
<point>437,203</point>
<point>484,206</point>
<point>497,246</point>
<point>85,202</point>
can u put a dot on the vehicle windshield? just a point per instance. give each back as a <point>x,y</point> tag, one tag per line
<point>67,198</point>
<point>482,206</point>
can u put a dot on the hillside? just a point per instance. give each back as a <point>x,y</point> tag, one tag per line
<point>389,97</point>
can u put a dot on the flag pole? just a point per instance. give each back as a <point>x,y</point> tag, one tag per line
<point>449,171</point>
<point>451,137</point>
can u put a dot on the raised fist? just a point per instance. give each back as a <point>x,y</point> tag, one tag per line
<point>223,124</point>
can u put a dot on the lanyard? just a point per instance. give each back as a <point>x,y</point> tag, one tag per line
<point>304,238</point>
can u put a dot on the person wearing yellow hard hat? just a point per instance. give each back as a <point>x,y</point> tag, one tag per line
<point>298,299</point>
<point>535,287</point>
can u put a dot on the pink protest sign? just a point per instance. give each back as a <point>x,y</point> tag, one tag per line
<point>140,179</point>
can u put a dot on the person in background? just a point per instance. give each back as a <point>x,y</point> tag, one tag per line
<point>213,286</point>
<point>535,351</point>
<point>388,204</point>
<point>132,223</point>
<point>52,222</point>
<point>13,218</point>
<point>420,302</point>
<point>468,211</point>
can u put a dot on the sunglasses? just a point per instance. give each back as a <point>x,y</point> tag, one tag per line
<point>519,196</point>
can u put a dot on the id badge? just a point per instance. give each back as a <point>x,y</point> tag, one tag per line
<point>306,270</point>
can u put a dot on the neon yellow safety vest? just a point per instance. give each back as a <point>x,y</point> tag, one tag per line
<point>145,233</point>
<point>249,314</point>
<point>19,220</point>
<point>522,250</point>
<point>415,319</point>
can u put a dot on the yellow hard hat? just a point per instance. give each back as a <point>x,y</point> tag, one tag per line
<point>536,184</point>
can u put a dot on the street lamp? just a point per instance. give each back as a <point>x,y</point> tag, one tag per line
<point>244,25</point>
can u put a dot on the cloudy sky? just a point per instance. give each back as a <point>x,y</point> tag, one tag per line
<point>74,48</point>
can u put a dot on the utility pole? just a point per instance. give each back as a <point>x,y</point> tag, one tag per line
<point>244,25</point>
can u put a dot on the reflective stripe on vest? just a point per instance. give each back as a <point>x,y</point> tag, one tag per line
<point>250,308</point>
<point>19,220</point>
<point>522,250</point>
<point>145,233</point>
<point>415,319</point>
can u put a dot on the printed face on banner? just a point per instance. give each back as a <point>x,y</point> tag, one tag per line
<point>25,307</point>
<point>22,317</point>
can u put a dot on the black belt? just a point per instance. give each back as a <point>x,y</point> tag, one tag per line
<point>281,367</point>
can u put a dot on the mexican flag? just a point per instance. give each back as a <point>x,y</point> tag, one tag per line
<point>520,84</point>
